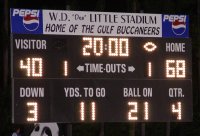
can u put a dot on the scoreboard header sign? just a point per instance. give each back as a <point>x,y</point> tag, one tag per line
<point>73,66</point>
<point>26,21</point>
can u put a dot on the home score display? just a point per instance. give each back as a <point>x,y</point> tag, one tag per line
<point>85,78</point>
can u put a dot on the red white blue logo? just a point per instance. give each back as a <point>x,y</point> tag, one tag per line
<point>175,26</point>
<point>26,21</point>
<point>31,23</point>
<point>178,27</point>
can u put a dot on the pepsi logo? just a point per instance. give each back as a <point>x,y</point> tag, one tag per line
<point>178,27</point>
<point>177,23</point>
<point>31,23</point>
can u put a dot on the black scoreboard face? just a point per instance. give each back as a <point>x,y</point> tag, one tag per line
<point>100,79</point>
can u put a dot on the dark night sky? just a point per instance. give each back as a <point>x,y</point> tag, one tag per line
<point>88,5</point>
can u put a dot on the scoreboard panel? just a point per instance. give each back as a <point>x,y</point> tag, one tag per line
<point>103,79</point>
<point>79,66</point>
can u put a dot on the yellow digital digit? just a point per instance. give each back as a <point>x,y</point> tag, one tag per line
<point>87,47</point>
<point>123,47</point>
<point>149,69</point>
<point>113,46</point>
<point>93,111</point>
<point>98,46</point>
<point>146,111</point>
<point>132,114</point>
<point>32,111</point>
<point>176,108</point>
<point>65,68</point>
<point>37,69</point>
<point>180,68</point>
<point>26,66</point>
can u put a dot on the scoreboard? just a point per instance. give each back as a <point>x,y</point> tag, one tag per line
<point>63,77</point>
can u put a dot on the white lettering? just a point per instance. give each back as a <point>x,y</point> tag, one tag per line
<point>72,92</point>
<point>30,44</point>
<point>176,92</point>
<point>131,92</point>
<point>31,92</point>
<point>175,47</point>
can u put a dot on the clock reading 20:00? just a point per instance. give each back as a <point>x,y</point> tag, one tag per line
<point>100,79</point>
<point>115,47</point>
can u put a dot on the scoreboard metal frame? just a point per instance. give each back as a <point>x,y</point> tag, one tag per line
<point>92,78</point>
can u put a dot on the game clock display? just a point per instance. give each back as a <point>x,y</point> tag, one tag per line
<point>100,79</point>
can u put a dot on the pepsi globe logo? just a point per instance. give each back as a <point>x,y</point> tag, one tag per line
<point>30,23</point>
<point>178,27</point>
